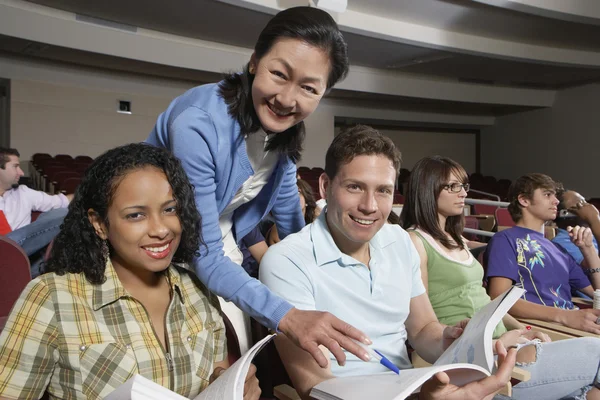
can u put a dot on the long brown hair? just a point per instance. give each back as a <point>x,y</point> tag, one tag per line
<point>309,198</point>
<point>420,209</point>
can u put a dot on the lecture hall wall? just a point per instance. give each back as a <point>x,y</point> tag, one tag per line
<point>61,108</point>
<point>561,141</point>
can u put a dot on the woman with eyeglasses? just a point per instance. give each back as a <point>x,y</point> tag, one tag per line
<point>433,215</point>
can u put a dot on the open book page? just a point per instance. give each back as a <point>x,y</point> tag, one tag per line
<point>474,346</point>
<point>389,386</point>
<point>230,385</point>
<point>140,388</point>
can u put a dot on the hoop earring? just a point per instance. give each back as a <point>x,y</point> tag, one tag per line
<point>104,250</point>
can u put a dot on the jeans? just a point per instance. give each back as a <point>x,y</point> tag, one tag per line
<point>36,236</point>
<point>565,369</point>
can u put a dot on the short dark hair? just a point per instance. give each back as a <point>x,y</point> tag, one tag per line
<point>420,209</point>
<point>564,222</point>
<point>525,186</point>
<point>311,25</point>
<point>357,141</point>
<point>4,153</point>
<point>78,249</point>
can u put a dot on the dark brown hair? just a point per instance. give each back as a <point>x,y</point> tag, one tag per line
<point>309,198</point>
<point>427,180</point>
<point>525,186</point>
<point>4,153</point>
<point>357,141</point>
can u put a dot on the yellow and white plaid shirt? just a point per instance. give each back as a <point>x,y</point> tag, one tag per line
<point>81,341</point>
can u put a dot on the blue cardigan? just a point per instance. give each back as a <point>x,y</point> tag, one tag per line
<point>198,130</point>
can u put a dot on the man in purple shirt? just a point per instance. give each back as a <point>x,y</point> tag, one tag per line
<point>522,255</point>
<point>18,201</point>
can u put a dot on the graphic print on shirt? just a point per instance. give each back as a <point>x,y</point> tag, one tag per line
<point>530,255</point>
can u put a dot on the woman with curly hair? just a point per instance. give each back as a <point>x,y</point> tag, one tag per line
<point>116,301</point>
<point>433,215</point>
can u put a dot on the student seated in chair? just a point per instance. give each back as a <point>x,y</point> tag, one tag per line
<point>117,302</point>
<point>16,204</point>
<point>351,263</point>
<point>433,216</point>
<point>524,256</point>
<point>573,210</point>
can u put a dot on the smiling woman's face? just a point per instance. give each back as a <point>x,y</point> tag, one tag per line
<point>289,82</point>
<point>143,226</point>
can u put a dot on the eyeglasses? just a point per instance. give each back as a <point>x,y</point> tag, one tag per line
<point>457,187</point>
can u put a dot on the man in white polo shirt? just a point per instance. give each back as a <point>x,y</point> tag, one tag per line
<point>350,263</point>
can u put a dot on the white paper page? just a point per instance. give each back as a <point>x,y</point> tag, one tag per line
<point>140,388</point>
<point>389,386</point>
<point>230,385</point>
<point>475,344</point>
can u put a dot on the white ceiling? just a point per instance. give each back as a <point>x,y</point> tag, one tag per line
<point>460,57</point>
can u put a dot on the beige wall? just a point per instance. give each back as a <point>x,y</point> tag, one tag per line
<point>415,145</point>
<point>56,119</point>
<point>60,108</point>
<point>562,142</point>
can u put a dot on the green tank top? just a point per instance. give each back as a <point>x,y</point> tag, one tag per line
<point>455,288</point>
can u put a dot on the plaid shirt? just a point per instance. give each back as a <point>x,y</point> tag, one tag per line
<point>81,341</point>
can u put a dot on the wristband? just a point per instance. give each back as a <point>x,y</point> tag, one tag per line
<point>590,271</point>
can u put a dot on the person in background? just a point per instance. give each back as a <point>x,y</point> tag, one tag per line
<point>573,210</point>
<point>522,255</point>
<point>116,302</point>
<point>17,202</point>
<point>310,211</point>
<point>433,216</point>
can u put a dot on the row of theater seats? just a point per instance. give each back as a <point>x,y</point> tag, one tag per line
<point>59,174</point>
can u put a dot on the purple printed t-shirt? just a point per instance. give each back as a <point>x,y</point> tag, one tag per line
<point>545,271</point>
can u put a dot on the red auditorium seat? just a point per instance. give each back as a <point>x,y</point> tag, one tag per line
<point>69,185</point>
<point>15,273</point>
<point>61,177</point>
<point>483,209</point>
<point>84,159</point>
<point>398,198</point>
<point>503,218</point>
<point>65,158</point>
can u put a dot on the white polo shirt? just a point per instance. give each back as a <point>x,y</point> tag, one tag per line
<point>308,270</point>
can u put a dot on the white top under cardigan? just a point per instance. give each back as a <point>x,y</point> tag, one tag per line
<point>263,163</point>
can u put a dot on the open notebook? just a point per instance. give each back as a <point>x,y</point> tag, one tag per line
<point>468,359</point>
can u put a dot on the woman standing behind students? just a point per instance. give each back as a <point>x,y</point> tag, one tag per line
<point>433,214</point>
<point>113,304</point>
<point>238,140</point>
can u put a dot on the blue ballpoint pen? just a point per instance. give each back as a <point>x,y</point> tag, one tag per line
<point>379,357</point>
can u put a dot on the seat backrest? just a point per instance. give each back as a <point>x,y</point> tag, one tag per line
<point>233,344</point>
<point>398,198</point>
<point>15,273</point>
<point>69,185</point>
<point>503,218</point>
<point>484,209</point>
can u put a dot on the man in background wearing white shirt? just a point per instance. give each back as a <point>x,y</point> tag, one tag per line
<point>16,204</point>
